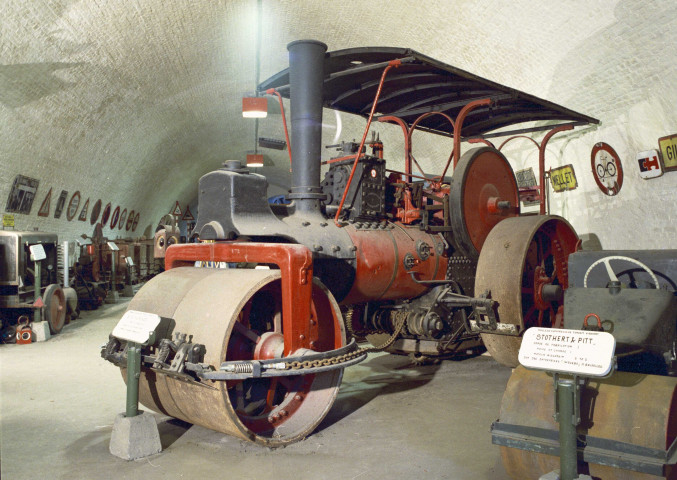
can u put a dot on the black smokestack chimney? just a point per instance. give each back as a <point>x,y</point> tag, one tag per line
<point>306,77</point>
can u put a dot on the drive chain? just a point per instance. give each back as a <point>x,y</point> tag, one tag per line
<point>401,319</point>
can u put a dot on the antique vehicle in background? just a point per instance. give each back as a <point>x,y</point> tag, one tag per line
<point>26,286</point>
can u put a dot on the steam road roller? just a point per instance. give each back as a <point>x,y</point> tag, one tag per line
<point>364,252</point>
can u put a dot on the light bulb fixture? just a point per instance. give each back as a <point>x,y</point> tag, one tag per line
<point>254,107</point>
<point>254,160</point>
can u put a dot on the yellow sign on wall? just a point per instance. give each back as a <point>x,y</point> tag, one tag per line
<point>7,220</point>
<point>563,178</point>
<point>668,146</point>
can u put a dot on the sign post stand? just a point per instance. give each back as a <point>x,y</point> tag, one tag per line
<point>37,255</point>
<point>112,296</point>
<point>577,354</point>
<point>135,433</point>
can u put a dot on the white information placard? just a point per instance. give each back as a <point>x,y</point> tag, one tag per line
<point>135,326</point>
<point>113,246</point>
<point>580,352</point>
<point>37,252</point>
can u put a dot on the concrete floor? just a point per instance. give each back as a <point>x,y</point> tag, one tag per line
<point>391,420</point>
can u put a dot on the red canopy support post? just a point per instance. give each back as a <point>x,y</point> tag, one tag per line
<point>459,125</point>
<point>541,161</point>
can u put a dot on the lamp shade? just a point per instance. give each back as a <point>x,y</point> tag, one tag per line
<point>254,160</point>
<point>254,107</point>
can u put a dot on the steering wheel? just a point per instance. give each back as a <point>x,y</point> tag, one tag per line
<point>610,272</point>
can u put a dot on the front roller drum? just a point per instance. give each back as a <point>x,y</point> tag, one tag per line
<point>635,409</point>
<point>236,314</point>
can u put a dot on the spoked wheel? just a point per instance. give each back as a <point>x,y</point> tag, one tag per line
<point>236,314</point>
<point>55,308</point>
<point>265,405</point>
<point>523,265</point>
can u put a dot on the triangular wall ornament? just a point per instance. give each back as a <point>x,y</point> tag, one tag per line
<point>44,208</point>
<point>83,213</point>
<point>188,217</point>
<point>177,210</point>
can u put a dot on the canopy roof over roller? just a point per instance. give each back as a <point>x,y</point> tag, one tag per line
<point>420,85</point>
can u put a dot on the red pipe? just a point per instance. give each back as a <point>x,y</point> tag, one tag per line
<point>272,91</point>
<point>518,136</point>
<point>391,64</point>
<point>459,125</point>
<point>453,128</point>
<point>541,161</point>
<point>407,143</point>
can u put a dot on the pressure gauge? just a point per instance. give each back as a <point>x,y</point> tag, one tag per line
<point>606,168</point>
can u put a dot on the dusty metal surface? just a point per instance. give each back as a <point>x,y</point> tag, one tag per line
<point>631,408</point>
<point>518,253</point>
<point>229,311</point>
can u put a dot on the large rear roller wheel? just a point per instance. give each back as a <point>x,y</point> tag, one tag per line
<point>55,308</point>
<point>236,314</point>
<point>524,265</point>
<point>631,408</point>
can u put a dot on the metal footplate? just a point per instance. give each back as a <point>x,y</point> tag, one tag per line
<point>282,367</point>
<point>590,449</point>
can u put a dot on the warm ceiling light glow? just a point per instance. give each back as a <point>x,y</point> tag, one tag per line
<point>254,107</point>
<point>254,160</point>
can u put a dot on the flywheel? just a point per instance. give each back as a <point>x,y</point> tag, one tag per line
<point>237,315</point>
<point>483,193</point>
<point>523,266</point>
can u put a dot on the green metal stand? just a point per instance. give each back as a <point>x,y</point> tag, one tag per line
<point>568,415</point>
<point>133,374</point>
<point>37,284</point>
<point>135,433</point>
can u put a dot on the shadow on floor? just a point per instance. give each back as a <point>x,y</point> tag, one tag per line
<point>391,374</point>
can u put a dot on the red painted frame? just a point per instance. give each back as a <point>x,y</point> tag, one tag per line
<point>296,266</point>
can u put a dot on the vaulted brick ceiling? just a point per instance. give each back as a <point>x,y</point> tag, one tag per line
<point>132,101</point>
